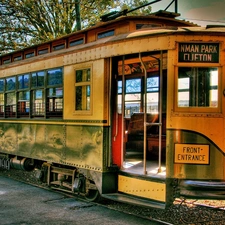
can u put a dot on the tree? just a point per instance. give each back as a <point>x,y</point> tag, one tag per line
<point>27,22</point>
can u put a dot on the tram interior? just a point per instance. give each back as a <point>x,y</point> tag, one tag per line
<point>141,79</point>
<point>134,145</point>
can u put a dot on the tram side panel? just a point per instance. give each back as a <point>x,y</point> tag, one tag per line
<point>80,140</point>
<point>72,145</point>
<point>195,136</point>
<point>87,130</point>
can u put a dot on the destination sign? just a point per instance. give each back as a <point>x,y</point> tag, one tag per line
<point>191,154</point>
<point>196,52</point>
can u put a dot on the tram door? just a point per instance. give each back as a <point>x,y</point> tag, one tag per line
<point>138,135</point>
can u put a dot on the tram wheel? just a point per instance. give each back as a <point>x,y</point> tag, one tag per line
<point>93,195</point>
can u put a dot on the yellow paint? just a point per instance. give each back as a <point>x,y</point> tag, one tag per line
<point>98,110</point>
<point>191,153</point>
<point>142,188</point>
<point>28,66</point>
<point>202,120</point>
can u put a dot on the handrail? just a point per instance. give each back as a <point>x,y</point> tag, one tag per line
<point>145,117</point>
<point>160,112</point>
<point>123,112</point>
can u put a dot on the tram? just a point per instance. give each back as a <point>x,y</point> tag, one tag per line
<point>130,109</point>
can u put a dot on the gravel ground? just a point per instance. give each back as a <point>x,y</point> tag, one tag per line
<point>182,212</point>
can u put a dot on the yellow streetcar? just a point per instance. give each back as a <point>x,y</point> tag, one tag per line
<point>130,109</point>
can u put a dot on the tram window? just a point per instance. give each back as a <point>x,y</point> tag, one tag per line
<point>37,79</point>
<point>2,104</point>
<point>38,97</point>
<point>6,61</point>
<point>43,51</point>
<point>134,95</point>
<point>10,110</point>
<point>38,108</point>
<point>152,94</point>
<point>197,87</point>
<point>54,102</point>
<point>54,77</point>
<point>37,94</point>
<point>10,83</point>
<point>76,42</point>
<point>140,26</point>
<point>23,104</point>
<point>119,96</point>
<point>83,89</point>
<point>17,58</point>
<point>58,47</point>
<point>2,97</point>
<point>107,33</point>
<point>54,94</point>
<point>2,85</point>
<point>133,85</point>
<point>29,55</point>
<point>23,81</point>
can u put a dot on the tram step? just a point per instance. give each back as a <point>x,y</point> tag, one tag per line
<point>144,188</point>
<point>134,200</point>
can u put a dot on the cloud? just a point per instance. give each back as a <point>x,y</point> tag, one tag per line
<point>209,12</point>
<point>213,11</point>
<point>202,12</point>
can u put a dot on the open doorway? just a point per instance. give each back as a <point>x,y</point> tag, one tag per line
<point>139,113</point>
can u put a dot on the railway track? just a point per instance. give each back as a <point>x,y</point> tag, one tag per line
<point>183,211</point>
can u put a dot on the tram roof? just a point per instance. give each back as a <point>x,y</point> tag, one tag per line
<point>169,25</point>
<point>160,17</point>
<point>178,30</point>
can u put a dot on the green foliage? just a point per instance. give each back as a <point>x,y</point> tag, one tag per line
<point>131,4</point>
<point>27,22</point>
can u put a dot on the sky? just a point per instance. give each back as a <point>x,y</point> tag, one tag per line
<point>201,12</point>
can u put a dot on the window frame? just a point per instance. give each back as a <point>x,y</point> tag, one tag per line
<point>10,109</point>
<point>54,113</point>
<point>83,84</point>
<point>44,49</point>
<point>155,90</point>
<point>76,40</point>
<point>22,103</point>
<point>10,90</point>
<point>24,95</point>
<point>106,33</point>
<point>197,109</point>
<point>2,93</point>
